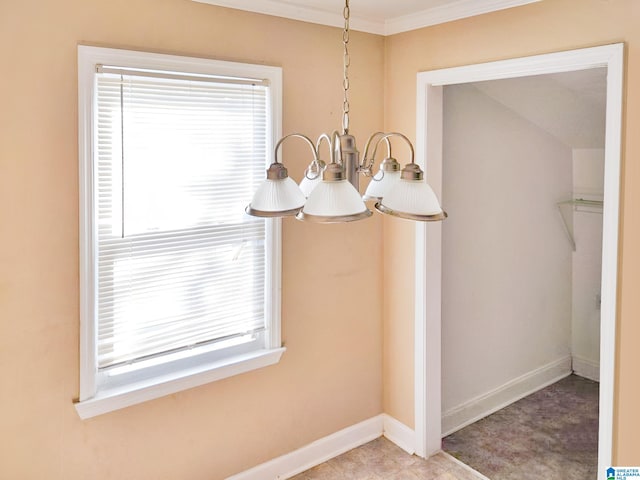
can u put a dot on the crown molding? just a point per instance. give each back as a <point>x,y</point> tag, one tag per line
<point>305,14</point>
<point>448,13</point>
<point>425,18</point>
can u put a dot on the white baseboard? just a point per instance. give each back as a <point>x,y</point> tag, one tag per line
<point>586,368</point>
<point>399,433</point>
<point>483,405</point>
<point>331,446</point>
<point>316,452</point>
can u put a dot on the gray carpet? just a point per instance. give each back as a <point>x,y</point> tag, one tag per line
<point>551,434</point>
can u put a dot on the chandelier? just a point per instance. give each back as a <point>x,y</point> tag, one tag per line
<point>329,193</point>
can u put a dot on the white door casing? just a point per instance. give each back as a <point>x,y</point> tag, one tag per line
<point>428,238</point>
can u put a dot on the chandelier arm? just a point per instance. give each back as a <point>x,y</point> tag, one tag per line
<point>317,166</point>
<point>367,146</point>
<point>336,148</point>
<point>296,135</point>
<point>364,168</point>
<point>386,137</point>
<point>329,141</point>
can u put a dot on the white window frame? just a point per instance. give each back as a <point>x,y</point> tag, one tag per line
<point>97,397</point>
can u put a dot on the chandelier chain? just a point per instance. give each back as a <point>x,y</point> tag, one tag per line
<point>346,63</point>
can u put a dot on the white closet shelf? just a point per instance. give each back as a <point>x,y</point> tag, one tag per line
<point>593,206</point>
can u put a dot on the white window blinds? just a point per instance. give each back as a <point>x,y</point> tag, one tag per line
<point>179,264</point>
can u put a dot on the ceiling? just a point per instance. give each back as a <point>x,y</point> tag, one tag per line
<point>570,106</point>
<point>382,17</point>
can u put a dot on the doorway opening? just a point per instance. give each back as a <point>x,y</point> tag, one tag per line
<point>428,327</point>
<point>523,184</point>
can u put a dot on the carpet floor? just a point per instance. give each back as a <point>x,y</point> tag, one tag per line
<point>551,434</point>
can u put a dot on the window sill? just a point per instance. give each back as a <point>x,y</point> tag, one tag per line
<point>108,400</point>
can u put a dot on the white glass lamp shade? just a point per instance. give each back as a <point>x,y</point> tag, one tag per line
<point>380,184</point>
<point>334,202</point>
<point>307,185</point>
<point>276,198</point>
<point>312,177</point>
<point>413,200</point>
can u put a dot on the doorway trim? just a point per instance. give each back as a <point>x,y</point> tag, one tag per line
<point>428,239</point>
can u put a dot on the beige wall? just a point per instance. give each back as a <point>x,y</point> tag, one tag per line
<point>331,375</point>
<point>548,26</point>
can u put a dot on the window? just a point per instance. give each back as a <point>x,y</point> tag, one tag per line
<point>178,286</point>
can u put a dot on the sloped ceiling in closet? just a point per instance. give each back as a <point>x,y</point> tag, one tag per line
<point>570,106</point>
